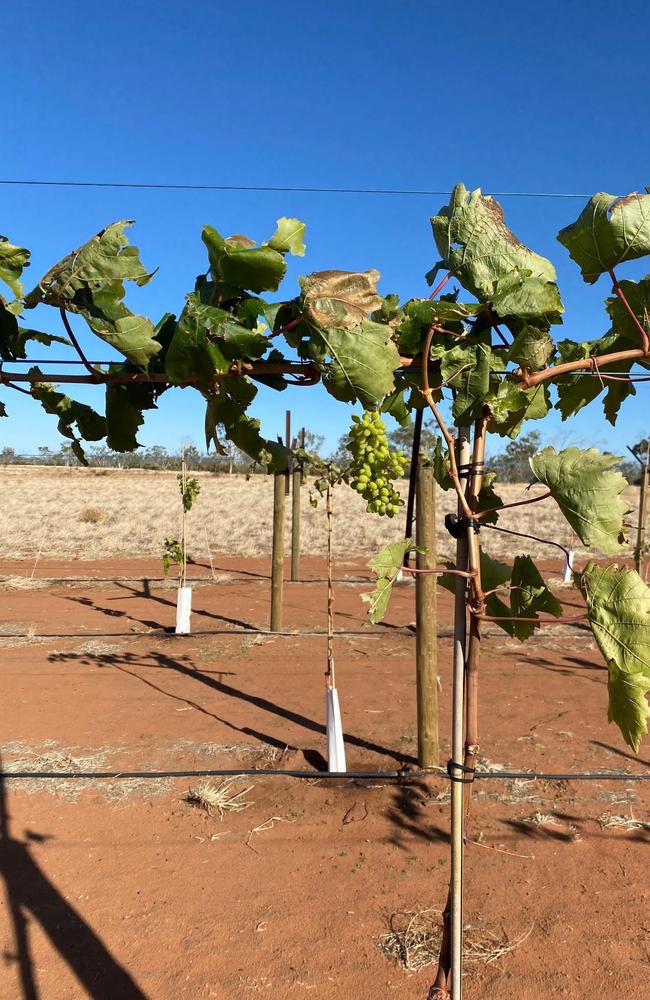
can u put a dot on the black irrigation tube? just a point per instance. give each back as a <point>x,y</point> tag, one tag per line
<point>319,775</point>
<point>170,633</point>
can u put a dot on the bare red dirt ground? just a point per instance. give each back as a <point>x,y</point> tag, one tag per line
<point>125,890</point>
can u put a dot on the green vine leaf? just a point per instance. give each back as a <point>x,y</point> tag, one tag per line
<point>481,251</point>
<point>618,605</point>
<point>90,425</point>
<point>637,294</point>
<point>359,363</point>
<point>13,338</point>
<point>512,405</point>
<point>237,264</point>
<point>577,392</point>
<point>125,404</point>
<point>587,491</point>
<point>608,231</point>
<point>89,281</point>
<point>107,257</point>
<point>13,260</point>
<point>386,566</point>
<point>529,595</point>
<point>226,407</point>
<point>289,237</point>
<point>532,348</point>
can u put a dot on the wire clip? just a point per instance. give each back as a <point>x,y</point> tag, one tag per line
<point>453,767</point>
<point>457,526</point>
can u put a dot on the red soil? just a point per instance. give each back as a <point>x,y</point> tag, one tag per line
<point>128,897</point>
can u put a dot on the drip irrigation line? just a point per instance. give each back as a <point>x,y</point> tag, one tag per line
<point>171,633</point>
<point>318,775</point>
<point>269,188</point>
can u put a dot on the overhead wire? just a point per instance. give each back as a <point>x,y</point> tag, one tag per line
<point>273,189</point>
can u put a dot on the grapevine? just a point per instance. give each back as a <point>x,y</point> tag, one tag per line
<point>375,467</point>
<point>486,348</point>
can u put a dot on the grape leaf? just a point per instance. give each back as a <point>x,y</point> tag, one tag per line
<point>637,294</point>
<point>618,606</point>
<point>91,426</point>
<point>467,368</point>
<point>124,412</point>
<point>488,499</point>
<point>13,260</point>
<point>104,259</point>
<point>576,392</point>
<point>226,407</point>
<point>521,293</point>
<point>13,337</point>
<point>531,348</point>
<point>236,263</point>
<point>587,491</point>
<point>207,341</point>
<point>358,363</point>
<point>289,237</point>
<point>512,405</point>
<point>386,566</point>
<point>440,465</point>
<point>608,231</point>
<point>479,249</point>
<point>528,595</point>
<point>341,299</point>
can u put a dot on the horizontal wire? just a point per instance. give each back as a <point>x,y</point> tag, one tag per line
<point>400,192</point>
<point>273,773</point>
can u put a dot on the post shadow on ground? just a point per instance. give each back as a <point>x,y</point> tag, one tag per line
<point>123,661</point>
<point>31,896</point>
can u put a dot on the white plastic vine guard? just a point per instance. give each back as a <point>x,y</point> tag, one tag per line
<point>183,610</point>
<point>335,745</point>
<point>568,569</point>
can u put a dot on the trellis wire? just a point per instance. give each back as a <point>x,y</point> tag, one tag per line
<point>403,775</point>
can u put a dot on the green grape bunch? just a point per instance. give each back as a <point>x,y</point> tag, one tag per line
<point>374,466</point>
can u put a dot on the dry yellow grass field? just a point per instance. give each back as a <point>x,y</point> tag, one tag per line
<point>76,513</point>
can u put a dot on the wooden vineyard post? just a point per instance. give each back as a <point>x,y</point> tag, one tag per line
<point>277,556</point>
<point>295,524</point>
<point>426,620</point>
<point>643,512</point>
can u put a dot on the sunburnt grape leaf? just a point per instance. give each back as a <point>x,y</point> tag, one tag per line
<point>480,250</point>
<point>588,492</point>
<point>386,566</point>
<point>608,231</point>
<point>340,299</point>
<point>618,606</point>
<point>13,260</point>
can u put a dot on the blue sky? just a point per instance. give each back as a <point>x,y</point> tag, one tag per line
<point>508,97</point>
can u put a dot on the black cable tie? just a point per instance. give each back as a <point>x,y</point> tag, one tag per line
<point>456,526</point>
<point>453,766</point>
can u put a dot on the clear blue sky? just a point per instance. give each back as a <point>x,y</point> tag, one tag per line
<point>411,94</point>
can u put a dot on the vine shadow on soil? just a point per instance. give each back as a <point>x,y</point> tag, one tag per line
<point>29,892</point>
<point>129,662</point>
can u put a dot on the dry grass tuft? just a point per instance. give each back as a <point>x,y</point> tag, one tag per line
<point>92,515</point>
<point>414,941</point>
<point>622,822</point>
<point>219,798</point>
